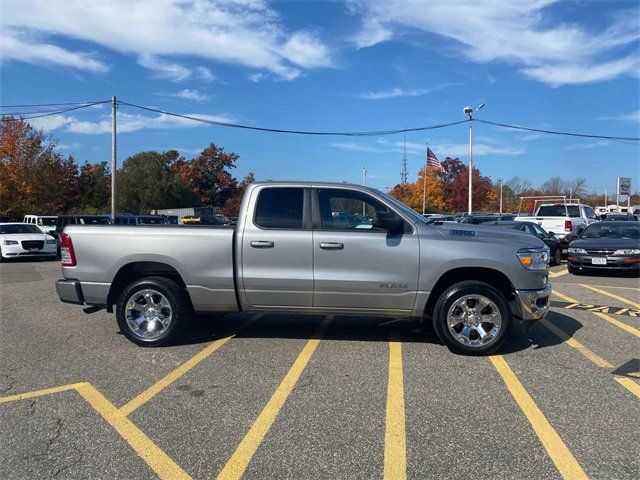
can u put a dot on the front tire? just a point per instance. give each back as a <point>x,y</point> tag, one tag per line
<point>153,311</point>
<point>472,318</point>
<point>573,270</point>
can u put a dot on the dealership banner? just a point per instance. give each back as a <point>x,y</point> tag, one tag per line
<point>624,186</point>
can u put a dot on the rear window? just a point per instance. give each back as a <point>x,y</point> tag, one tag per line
<point>93,220</point>
<point>280,208</point>
<point>558,211</point>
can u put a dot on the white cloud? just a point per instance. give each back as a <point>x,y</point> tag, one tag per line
<point>400,92</point>
<point>164,36</point>
<point>522,33</point>
<point>626,117</point>
<point>189,94</point>
<point>588,145</point>
<point>205,74</point>
<point>175,72</point>
<point>126,123</point>
<point>16,47</point>
<point>256,77</point>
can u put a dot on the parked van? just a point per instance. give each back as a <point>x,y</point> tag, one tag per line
<point>46,223</point>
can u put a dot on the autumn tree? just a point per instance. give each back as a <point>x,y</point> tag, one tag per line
<point>35,178</point>
<point>232,205</point>
<point>208,175</point>
<point>147,181</point>
<point>402,192</point>
<point>484,196</point>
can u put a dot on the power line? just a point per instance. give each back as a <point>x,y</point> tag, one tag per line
<point>295,132</point>
<point>554,132</point>
<point>24,105</point>
<point>56,112</point>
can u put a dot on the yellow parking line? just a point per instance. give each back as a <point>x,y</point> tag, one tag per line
<point>572,342</point>
<point>161,384</point>
<point>237,464</point>
<point>613,321</point>
<point>558,274</point>
<point>630,385</point>
<point>159,461</point>
<point>395,447</point>
<point>38,393</point>
<point>563,459</point>
<point>612,295</point>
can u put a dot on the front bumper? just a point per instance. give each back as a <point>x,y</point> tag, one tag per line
<point>613,262</point>
<point>15,251</point>
<point>70,291</point>
<point>531,304</point>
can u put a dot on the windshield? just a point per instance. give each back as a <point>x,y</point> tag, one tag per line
<point>622,231</point>
<point>558,211</point>
<point>47,221</point>
<point>94,221</point>
<point>402,207</point>
<point>16,228</point>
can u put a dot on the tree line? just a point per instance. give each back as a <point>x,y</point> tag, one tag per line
<point>36,178</point>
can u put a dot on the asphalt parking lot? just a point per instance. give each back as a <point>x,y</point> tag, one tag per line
<point>281,396</point>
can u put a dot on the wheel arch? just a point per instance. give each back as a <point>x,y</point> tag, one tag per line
<point>129,273</point>
<point>493,277</point>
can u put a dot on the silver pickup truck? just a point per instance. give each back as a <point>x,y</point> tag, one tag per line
<point>308,247</point>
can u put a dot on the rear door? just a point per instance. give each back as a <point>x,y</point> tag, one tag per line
<point>277,256</point>
<point>355,265</point>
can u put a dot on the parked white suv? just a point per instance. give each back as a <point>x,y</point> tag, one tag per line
<point>46,223</point>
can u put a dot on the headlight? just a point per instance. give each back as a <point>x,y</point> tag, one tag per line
<point>580,251</point>
<point>534,258</point>
<point>51,242</point>
<point>10,242</point>
<point>627,251</point>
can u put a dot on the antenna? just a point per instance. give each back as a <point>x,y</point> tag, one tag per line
<point>403,172</point>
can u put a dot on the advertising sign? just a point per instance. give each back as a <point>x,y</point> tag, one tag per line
<point>624,186</point>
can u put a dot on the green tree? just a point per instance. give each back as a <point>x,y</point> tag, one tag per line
<point>94,188</point>
<point>147,181</point>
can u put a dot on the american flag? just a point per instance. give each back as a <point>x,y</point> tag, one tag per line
<point>432,161</point>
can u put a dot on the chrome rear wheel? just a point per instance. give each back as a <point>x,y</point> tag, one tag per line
<point>148,313</point>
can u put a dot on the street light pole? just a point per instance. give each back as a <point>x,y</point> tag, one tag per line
<point>501,196</point>
<point>469,111</point>
<point>113,158</point>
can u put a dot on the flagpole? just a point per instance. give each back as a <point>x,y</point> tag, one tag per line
<point>424,182</point>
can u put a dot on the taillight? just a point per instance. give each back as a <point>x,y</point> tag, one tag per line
<point>567,225</point>
<point>67,255</point>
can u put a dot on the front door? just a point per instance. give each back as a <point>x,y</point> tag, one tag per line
<point>277,256</point>
<point>355,265</point>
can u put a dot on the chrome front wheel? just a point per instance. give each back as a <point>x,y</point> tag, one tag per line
<point>474,320</point>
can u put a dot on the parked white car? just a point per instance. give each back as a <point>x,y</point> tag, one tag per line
<point>46,223</point>
<point>25,240</point>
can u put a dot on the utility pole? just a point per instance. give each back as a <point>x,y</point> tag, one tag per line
<point>113,158</point>
<point>403,172</point>
<point>605,197</point>
<point>469,111</point>
<point>501,196</point>
<point>424,184</point>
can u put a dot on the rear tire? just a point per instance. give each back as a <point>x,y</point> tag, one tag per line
<point>468,310</point>
<point>153,311</point>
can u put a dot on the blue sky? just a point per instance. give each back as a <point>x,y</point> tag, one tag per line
<point>354,65</point>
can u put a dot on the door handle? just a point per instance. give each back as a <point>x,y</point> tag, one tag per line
<point>332,246</point>
<point>262,244</point>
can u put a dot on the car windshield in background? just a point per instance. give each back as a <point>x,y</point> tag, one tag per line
<point>558,211</point>
<point>93,221</point>
<point>47,221</point>
<point>18,228</point>
<point>621,232</point>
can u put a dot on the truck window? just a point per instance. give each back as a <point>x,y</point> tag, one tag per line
<point>280,208</point>
<point>347,210</point>
<point>558,211</point>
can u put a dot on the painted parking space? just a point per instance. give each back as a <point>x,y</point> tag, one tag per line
<point>250,396</point>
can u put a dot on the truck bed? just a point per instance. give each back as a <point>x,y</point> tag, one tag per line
<point>203,255</point>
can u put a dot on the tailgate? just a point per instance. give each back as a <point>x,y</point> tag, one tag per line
<point>552,224</point>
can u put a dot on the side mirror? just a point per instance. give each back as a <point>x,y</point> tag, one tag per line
<point>387,221</point>
<point>551,234</point>
<point>570,237</point>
